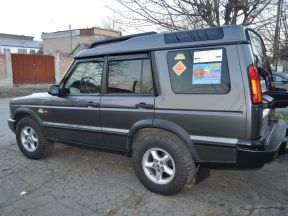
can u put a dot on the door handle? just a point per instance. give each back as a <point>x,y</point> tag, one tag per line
<point>93,105</point>
<point>144,105</point>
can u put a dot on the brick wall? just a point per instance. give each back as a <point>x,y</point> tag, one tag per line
<point>2,67</point>
<point>64,64</point>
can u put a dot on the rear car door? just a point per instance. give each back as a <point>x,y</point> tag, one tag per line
<point>200,93</point>
<point>74,117</point>
<point>128,98</point>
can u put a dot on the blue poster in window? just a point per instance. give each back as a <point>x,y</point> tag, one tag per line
<point>209,73</point>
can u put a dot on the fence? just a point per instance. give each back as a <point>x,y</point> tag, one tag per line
<point>40,69</point>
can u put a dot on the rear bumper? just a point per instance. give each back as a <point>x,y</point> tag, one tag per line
<point>11,124</point>
<point>275,145</point>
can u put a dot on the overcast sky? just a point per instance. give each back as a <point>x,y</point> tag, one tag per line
<point>32,17</point>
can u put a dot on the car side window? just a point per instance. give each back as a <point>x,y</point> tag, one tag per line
<point>130,76</point>
<point>279,78</point>
<point>85,78</point>
<point>203,71</point>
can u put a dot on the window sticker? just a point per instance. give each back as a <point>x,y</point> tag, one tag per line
<point>206,73</point>
<point>208,56</point>
<point>179,68</point>
<point>180,56</point>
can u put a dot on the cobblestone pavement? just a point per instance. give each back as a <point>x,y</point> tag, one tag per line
<point>76,181</point>
<point>22,90</point>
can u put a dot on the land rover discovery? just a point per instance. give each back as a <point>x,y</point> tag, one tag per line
<point>176,102</point>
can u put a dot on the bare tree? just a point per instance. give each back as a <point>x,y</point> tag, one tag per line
<point>111,23</point>
<point>187,14</point>
<point>171,15</point>
<point>273,27</point>
<point>283,39</point>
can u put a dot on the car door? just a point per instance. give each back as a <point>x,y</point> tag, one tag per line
<point>128,98</point>
<point>74,117</point>
<point>280,81</point>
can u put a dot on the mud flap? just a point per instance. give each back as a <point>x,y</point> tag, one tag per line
<point>202,174</point>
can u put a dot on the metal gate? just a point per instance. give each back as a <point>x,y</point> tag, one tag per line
<point>32,69</point>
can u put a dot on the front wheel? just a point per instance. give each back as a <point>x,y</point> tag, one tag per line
<point>162,162</point>
<point>31,140</point>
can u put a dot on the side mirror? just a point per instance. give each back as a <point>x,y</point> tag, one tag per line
<point>54,90</point>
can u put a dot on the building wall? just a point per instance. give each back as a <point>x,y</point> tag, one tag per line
<point>6,76</point>
<point>106,32</point>
<point>15,49</point>
<point>64,64</point>
<point>63,44</point>
<point>2,67</point>
<point>66,41</point>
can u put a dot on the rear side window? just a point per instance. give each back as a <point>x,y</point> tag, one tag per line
<point>130,76</point>
<point>199,71</point>
<point>259,52</point>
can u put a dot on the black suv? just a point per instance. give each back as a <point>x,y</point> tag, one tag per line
<point>177,102</point>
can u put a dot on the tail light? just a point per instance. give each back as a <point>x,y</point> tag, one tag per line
<point>255,85</point>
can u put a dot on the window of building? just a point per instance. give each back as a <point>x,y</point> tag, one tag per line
<point>199,71</point>
<point>22,51</point>
<point>32,51</point>
<point>6,50</point>
<point>85,78</point>
<point>130,76</point>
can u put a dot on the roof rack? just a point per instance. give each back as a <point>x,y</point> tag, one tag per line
<point>213,33</point>
<point>117,39</point>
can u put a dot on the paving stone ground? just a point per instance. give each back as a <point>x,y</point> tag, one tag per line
<point>75,181</point>
<point>17,91</point>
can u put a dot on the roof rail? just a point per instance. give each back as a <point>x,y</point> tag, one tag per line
<point>118,39</point>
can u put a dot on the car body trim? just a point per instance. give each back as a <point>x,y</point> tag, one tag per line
<point>86,127</point>
<point>72,126</point>
<point>231,141</point>
<point>209,139</point>
<point>58,107</point>
<point>199,112</point>
<point>119,109</point>
<point>89,108</point>
<point>116,130</point>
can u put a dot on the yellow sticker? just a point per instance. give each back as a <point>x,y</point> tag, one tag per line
<point>40,110</point>
<point>179,68</point>
<point>180,56</point>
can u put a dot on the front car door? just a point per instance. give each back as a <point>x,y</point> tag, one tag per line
<point>128,98</point>
<point>74,117</point>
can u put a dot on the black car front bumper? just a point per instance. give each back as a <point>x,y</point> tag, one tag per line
<point>273,146</point>
<point>11,124</point>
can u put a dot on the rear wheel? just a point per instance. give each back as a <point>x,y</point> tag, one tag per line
<point>162,162</point>
<point>31,139</point>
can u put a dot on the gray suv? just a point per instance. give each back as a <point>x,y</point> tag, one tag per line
<point>178,103</point>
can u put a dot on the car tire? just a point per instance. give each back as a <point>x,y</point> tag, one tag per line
<point>165,144</point>
<point>31,139</point>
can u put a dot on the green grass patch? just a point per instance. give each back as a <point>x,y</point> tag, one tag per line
<point>282,115</point>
